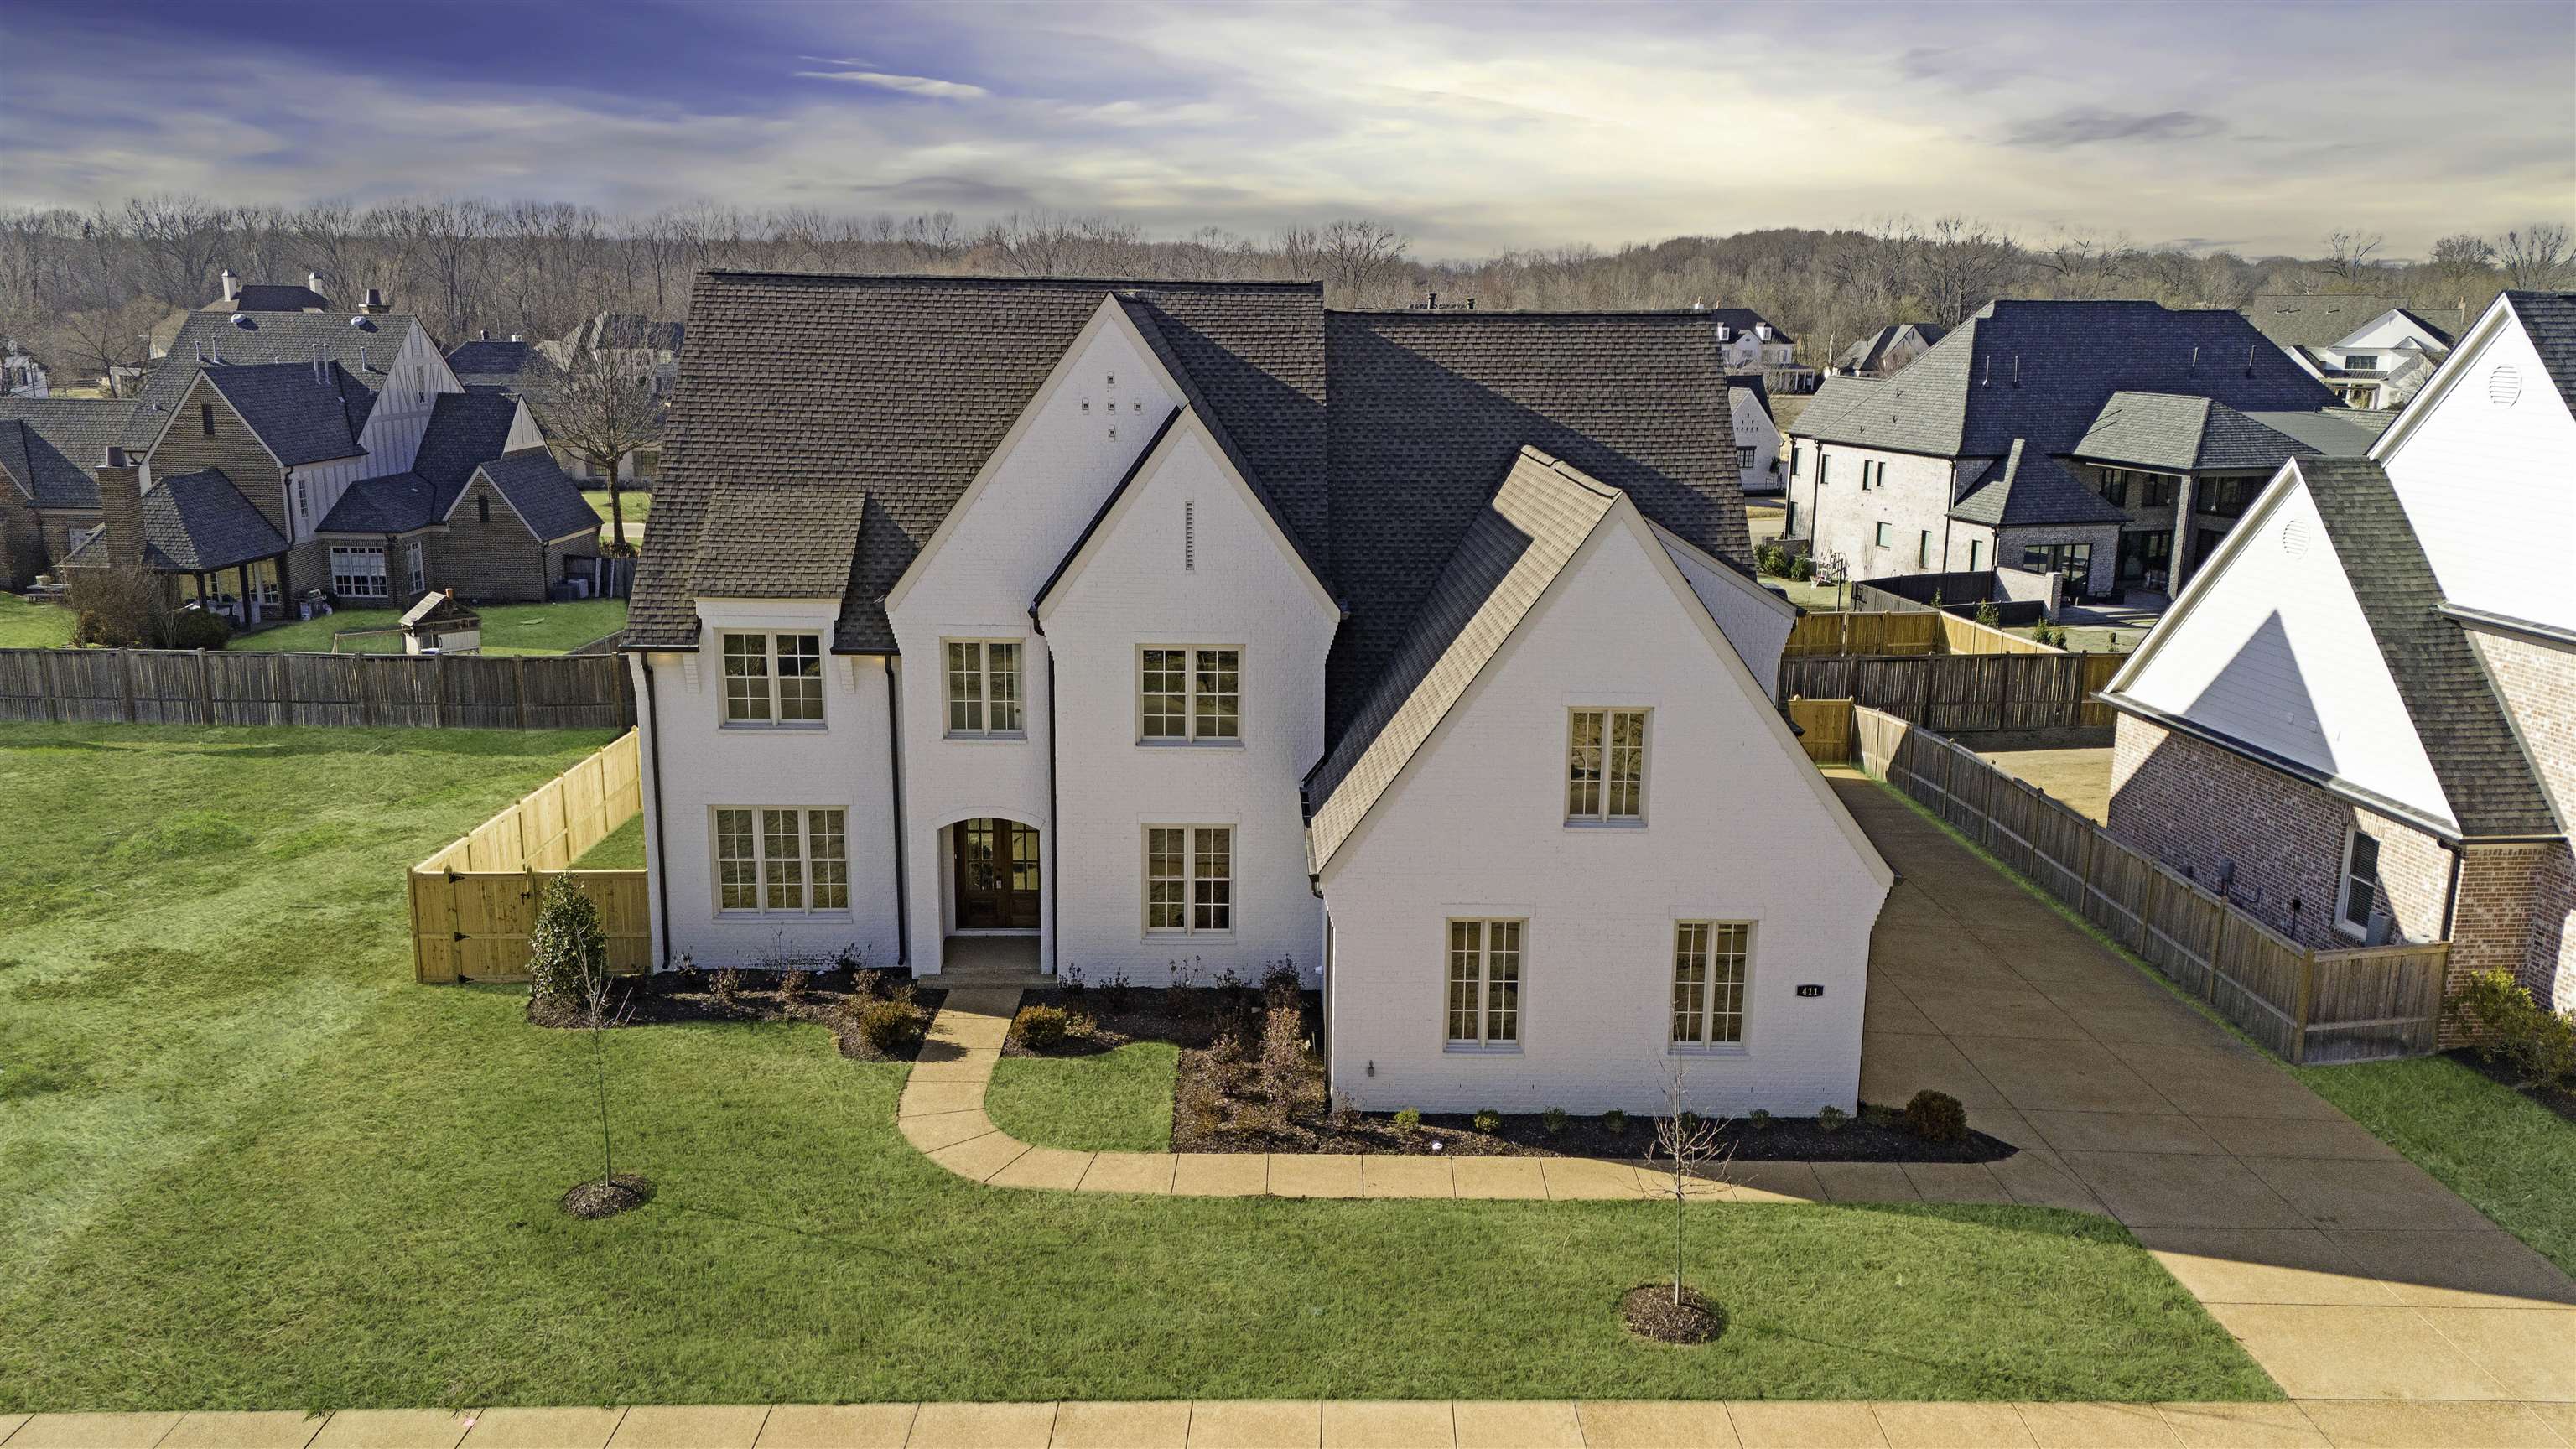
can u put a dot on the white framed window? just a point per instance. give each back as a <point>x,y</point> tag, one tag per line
<point>2358,894</point>
<point>1797,461</point>
<point>416,563</point>
<point>1188,695</point>
<point>984,687</point>
<point>1189,879</point>
<point>303,504</point>
<point>1605,766</point>
<point>1709,965</point>
<point>1880,537</point>
<point>357,572</point>
<point>2361,361</point>
<point>1485,984</point>
<point>773,679</point>
<point>1923,550</point>
<point>1743,460</point>
<point>782,860</point>
<point>1975,546</point>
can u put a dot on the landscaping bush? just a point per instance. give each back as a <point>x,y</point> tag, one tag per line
<point>2503,1021</point>
<point>1759,1117</point>
<point>1283,1059</point>
<point>1615,1122</point>
<point>892,1026</point>
<point>1831,1119</point>
<point>118,608</point>
<point>1936,1117</point>
<point>197,629</point>
<point>1408,1121</point>
<point>1771,559</point>
<point>1553,1119</point>
<point>1040,1028</point>
<point>1802,568</point>
<point>1488,1120</point>
<point>567,946</point>
<point>1279,988</point>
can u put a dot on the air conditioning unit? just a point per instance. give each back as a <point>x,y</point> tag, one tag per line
<point>2381,929</point>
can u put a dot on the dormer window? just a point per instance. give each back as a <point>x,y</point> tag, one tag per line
<point>984,687</point>
<point>773,679</point>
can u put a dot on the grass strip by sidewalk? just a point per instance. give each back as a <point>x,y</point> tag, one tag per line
<point>1118,1101</point>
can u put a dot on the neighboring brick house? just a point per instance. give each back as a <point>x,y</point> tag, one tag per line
<point>2359,721</point>
<point>1878,466</point>
<point>1159,627</point>
<point>1885,352</point>
<point>48,494</point>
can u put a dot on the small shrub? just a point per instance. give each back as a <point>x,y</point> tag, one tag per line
<point>1074,987</point>
<point>197,629</point>
<point>1283,1059</point>
<point>1802,568</point>
<point>1040,1028</point>
<point>1553,1120</point>
<point>567,946</point>
<point>1760,1119</point>
<point>867,984</point>
<point>1989,615</point>
<point>1615,1122</point>
<point>892,1026</point>
<point>791,985</point>
<point>1936,1117</point>
<point>1279,987</point>
<point>1878,1114</point>
<point>1345,1112</point>
<point>729,984</point>
<point>1408,1122</point>
<point>2503,1021</point>
<point>1832,1119</point>
<point>1488,1121</point>
<point>1116,993</point>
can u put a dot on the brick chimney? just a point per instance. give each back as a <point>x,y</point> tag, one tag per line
<point>120,499</point>
<point>232,284</point>
<point>313,283</point>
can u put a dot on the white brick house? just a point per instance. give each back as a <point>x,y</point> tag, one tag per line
<point>1019,637</point>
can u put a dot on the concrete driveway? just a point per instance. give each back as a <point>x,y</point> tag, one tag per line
<point>2346,1271</point>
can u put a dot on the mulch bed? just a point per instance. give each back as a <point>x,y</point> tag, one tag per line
<point>2560,1101</point>
<point>1223,1100</point>
<point>607,1197</point>
<point>1650,1312</point>
<point>826,998</point>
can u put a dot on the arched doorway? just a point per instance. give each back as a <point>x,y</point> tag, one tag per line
<point>996,875</point>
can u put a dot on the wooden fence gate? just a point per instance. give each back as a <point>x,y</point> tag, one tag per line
<point>474,903</point>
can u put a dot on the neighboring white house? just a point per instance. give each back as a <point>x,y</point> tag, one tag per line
<point>2374,352</point>
<point>1021,634</point>
<point>1757,438</point>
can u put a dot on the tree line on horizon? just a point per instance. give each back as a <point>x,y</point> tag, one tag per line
<point>83,291</point>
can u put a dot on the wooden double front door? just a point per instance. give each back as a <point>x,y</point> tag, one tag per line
<point>997,875</point>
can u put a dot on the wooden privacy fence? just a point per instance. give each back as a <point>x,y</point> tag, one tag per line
<point>1962,693</point>
<point>189,686</point>
<point>474,902</point>
<point>1856,633</point>
<point>2306,1005</point>
<point>1824,729</point>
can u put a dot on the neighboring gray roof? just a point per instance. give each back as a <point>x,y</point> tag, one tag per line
<point>2029,489</point>
<point>194,523</point>
<point>1740,321</point>
<point>2042,370</point>
<point>545,496</point>
<point>1750,382</point>
<point>2331,432</point>
<point>386,503</point>
<point>1869,353</point>
<point>626,331</point>
<point>50,444</point>
<point>1517,545</point>
<point>780,540</point>
<point>2177,433</point>
<point>271,297</point>
<point>363,346</point>
<point>300,416</point>
<point>497,364</point>
<point>2550,318</point>
<point>2322,319</point>
<point>464,431</point>
<point>2484,773</point>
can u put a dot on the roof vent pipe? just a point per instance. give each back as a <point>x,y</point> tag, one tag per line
<point>2195,361</point>
<point>2016,369</point>
<point>2249,359</point>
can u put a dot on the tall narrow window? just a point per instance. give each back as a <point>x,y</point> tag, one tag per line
<point>1880,537</point>
<point>782,861</point>
<point>1975,546</point>
<point>1189,694</point>
<point>1708,982</point>
<point>2360,884</point>
<point>1189,878</point>
<point>1605,765</point>
<point>206,419</point>
<point>1923,550</point>
<point>1484,983</point>
<point>773,679</point>
<point>984,688</point>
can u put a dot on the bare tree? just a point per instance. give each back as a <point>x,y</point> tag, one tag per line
<point>2089,264</point>
<point>1960,265</point>
<point>1697,1150</point>
<point>2456,259</point>
<point>600,405</point>
<point>2348,252</point>
<point>2534,256</point>
<point>1358,256</point>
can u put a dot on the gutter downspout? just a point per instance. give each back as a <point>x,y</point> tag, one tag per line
<point>1055,879</point>
<point>2451,893</point>
<point>653,748</point>
<point>894,766</point>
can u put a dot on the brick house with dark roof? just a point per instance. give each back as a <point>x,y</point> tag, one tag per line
<point>2359,721</point>
<point>996,628</point>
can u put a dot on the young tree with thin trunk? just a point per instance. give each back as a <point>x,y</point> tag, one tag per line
<point>1696,1150</point>
<point>600,406</point>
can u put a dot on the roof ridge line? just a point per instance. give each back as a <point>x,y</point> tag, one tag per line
<point>997,283</point>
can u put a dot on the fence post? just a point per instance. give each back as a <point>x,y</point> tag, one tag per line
<point>206,684</point>
<point>519,682</point>
<point>125,677</point>
<point>53,690</point>
<point>2307,1006</point>
<point>438,691</point>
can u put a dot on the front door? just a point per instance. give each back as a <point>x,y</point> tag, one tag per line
<point>997,875</point>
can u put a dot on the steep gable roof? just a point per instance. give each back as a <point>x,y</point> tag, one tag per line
<point>2322,319</point>
<point>2042,370</point>
<point>299,415</point>
<point>363,344</point>
<point>2179,433</point>
<point>271,297</point>
<point>1519,543</point>
<point>50,444</point>
<point>194,523</point>
<point>780,540</point>
<point>465,430</point>
<point>1869,353</point>
<point>2030,490</point>
<point>2550,319</point>
<point>1740,322</point>
<point>546,499</point>
<point>498,364</point>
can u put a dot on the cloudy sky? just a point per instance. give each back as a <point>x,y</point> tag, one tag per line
<point>1473,127</point>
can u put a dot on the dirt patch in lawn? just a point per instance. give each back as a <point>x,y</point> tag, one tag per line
<point>1232,1092</point>
<point>2559,1100</point>
<point>829,999</point>
<point>609,1196</point>
<point>1650,1312</point>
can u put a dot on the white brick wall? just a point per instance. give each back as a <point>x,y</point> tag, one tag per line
<point>1842,517</point>
<point>1735,830</point>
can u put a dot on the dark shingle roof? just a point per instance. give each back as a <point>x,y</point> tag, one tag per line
<point>1869,353</point>
<point>302,416</point>
<point>50,444</point>
<point>2331,432</point>
<point>2550,318</point>
<point>464,430</point>
<point>626,331</point>
<point>548,499</point>
<point>363,350</point>
<point>271,297</point>
<point>387,503</point>
<point>780,540</point>
<point>1520,540</point>
<point>2322,319</point>
<point>1752,383</point>
<point>2484,772</point>
<point>1284,457</point>
<point>2178,433</point>
<point>2029,489</point>
<point>194,523</point>
<point>1429,409</point>
<point>1740,322</point>
<point>2042,370</point>
<point>493,363</point>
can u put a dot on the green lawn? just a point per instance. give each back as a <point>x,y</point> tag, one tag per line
<point>248,1163</point>
<point>507,629</point>
<point>635,505</point>
<point>2512,1158</point>
<point>1119,1101</point>
<point>33,626</point>
<point>619,849</point>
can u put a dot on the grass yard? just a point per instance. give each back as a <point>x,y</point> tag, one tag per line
<point>619,849</point>
<point>2512,1158</point>
<point>507,629</point>
<point>249,1164</point>
<point>25,625</point>
<point>1118,1101</point>
<point>635,505</point>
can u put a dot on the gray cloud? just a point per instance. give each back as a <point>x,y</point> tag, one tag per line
<point>911,85</point>
<point>2085,125</point>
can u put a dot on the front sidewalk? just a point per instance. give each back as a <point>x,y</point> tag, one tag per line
<point>1329,1424</point>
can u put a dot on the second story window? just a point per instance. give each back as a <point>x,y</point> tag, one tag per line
<point>773,679</point>
<point>1185,695</point>
<point>1605,773</point>
<point>984,687</point>
<point>206,419</point>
